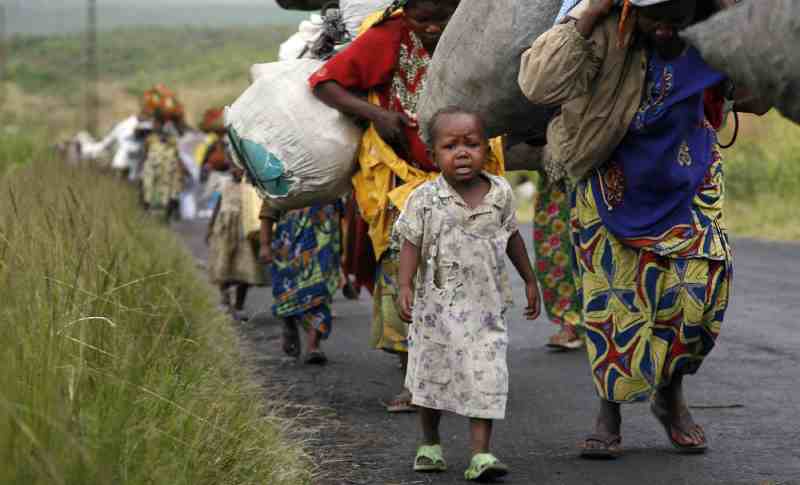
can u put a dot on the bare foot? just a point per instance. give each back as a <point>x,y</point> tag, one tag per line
<point>670,408</point>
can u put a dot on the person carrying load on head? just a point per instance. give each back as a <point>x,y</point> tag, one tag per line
<point>211,154</point>
<point>303,249</point>
<point>232,259</point>
<point>652,256</point>
<point>163,174</point>
<point>388,62</point>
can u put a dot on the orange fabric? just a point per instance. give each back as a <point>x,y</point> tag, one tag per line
<point>161,102</point>
<point>213,120</point>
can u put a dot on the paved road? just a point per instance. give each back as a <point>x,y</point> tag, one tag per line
<point>746,396</point>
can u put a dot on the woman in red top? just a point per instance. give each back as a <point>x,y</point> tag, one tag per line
<point>390,60</point>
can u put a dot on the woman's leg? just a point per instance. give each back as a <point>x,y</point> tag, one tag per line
<point>318,325</point>
<point>672,410</point>
<point>606,441</point>
<point>290,339</point>
<point>313,338</point>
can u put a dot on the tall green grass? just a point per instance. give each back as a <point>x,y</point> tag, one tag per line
<point>116,369</point>
<point>762,180</point>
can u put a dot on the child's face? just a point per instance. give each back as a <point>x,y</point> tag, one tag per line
<point>460,147</point>
<point>661,23</point>
<point>428,19</point>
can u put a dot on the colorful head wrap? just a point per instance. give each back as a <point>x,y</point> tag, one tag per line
<point>213,120</point>
<point>160,102</point>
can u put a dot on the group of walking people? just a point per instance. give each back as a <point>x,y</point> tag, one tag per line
<point>631,256</point>
<point>632,259</point>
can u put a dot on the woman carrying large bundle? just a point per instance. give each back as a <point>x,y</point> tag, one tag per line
<point>653,262</point>
<point>163,174</point>
<point>389,62</point>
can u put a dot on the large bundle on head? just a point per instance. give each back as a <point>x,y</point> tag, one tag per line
<point>295,150</point>
<point>756,43</point>
<point>476,64</point>
<point>162,103</point>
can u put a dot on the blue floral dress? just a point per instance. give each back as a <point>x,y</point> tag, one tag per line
<point>305,273</point>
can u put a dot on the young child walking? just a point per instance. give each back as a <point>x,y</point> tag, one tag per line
<point>232,256</point>
<point>456,232</point>
<point>303,248</point>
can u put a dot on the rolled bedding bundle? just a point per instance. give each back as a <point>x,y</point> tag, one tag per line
<point>756,44</point>
<point>294,149</point>
<point>488,39</point>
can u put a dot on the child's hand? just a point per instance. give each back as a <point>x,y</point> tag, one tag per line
<point>534,307</point>
<point>265,254</point>
<point>405,302</point>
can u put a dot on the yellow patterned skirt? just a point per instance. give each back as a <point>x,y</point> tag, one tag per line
<point>650,311</point>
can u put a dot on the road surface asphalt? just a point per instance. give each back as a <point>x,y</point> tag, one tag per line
<point>746,395</point>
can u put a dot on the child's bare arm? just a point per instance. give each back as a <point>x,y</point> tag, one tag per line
<point>409,261</point>
<point>518,255</point>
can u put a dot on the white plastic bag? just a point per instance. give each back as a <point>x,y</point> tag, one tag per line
<point>300,43</point>
<point>296,150</point>
<point>355,11</point>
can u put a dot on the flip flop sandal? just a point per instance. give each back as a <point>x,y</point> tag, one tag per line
<point>349,291</point>
<point>485,467</point>
<point>290,340</point>
<point>562,341</point>
<point>401,404</point>
<point>316,357</point>
<point>612,446</point>
<point>429,459</point>
<point>663,418</point>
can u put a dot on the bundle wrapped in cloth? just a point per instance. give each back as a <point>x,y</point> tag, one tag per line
<point>756,43</point>
<point>295,150</point>
<point>487,39</point>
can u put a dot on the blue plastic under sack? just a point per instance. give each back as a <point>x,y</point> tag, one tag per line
<point>263,169</point>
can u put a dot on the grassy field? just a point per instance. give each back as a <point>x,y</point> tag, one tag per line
<point>205,66</point>
<point>117,367</point>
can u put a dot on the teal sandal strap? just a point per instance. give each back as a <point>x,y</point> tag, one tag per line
<point>483,464</point>
<point>433,453</point>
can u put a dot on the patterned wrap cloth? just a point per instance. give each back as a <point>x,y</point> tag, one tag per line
<point>653,260</point>
<point>162,174</point>
<point>552,243</point>
<point>458,340</point>
<point>305,271</point>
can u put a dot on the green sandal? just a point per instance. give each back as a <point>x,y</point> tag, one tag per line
<point>429,459</point>
<point>485,467</point>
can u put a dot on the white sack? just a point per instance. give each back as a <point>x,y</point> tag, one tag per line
<point>476,64</point>
<point>299,44</point>
<point>296,150</point>
<point>354,12</point>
